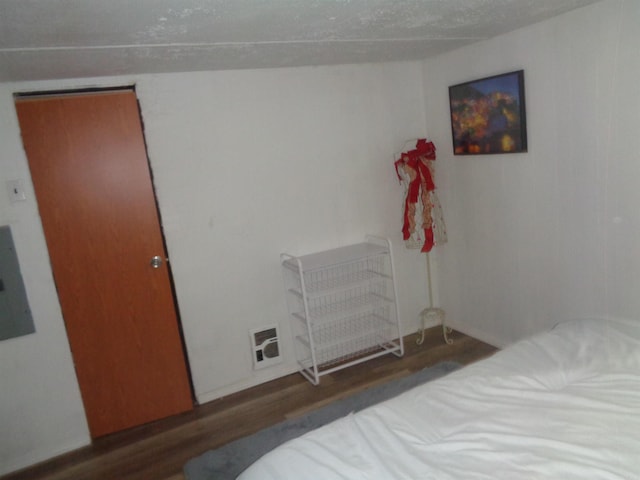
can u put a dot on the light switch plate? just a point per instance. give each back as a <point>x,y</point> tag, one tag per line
<point>15,188</point>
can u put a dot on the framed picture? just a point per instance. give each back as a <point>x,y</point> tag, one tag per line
<point>488,115</point>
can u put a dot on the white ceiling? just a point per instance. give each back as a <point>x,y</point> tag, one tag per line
<point>46,39</point>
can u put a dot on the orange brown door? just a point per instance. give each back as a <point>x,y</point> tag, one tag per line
<point>91,176</point>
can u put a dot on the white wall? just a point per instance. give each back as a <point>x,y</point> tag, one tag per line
<point>247,164</point>
<point>553,233</point>
<point>251,164</point>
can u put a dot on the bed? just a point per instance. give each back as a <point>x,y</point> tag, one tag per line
<point>564,404</point>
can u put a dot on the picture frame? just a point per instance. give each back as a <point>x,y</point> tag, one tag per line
<point>488,115</point>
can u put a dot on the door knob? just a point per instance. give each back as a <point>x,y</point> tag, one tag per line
<point>156,261</point>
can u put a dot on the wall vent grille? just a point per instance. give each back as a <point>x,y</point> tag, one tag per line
<point>265,346</point>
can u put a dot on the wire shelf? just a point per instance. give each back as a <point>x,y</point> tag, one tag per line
<point>343,306</point>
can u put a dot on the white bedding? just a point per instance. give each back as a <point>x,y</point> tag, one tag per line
<point>562,405</point>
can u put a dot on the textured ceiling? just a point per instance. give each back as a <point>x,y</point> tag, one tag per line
<point>46,39</point>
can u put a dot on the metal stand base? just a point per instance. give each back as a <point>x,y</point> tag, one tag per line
<point>445,333</point>
<point>433,315</point>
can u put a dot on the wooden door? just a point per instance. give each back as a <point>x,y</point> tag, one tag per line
<point>90,172</point>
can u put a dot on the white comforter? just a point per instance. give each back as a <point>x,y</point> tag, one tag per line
<point>562,405</point>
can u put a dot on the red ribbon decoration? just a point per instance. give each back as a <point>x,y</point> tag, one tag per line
<point>415,160</point>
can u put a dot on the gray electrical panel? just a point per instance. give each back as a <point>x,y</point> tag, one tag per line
<point>15,314</point>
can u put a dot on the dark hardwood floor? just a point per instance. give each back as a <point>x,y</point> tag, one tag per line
<point>159,450</point>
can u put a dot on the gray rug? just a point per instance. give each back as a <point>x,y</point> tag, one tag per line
<point>227,462</point>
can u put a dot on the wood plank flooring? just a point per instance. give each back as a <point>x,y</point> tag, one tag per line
<point>159,450</point>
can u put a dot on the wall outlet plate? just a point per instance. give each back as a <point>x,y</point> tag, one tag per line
<point>16,191</point>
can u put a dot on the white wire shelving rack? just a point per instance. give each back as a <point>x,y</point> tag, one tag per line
<point>342,306</point>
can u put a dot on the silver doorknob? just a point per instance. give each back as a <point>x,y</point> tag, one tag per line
<point>156,261</point>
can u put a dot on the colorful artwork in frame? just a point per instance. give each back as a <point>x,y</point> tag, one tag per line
<point>488,115</point>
